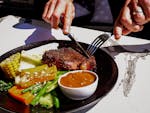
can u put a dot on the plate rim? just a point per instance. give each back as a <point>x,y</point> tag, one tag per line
<point>40,43</point>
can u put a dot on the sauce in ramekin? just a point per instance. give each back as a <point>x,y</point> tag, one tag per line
<point>78,79</point>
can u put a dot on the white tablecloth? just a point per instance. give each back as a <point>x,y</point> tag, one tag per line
<point>131,93</point>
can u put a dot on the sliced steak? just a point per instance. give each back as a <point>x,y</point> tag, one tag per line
<point>68,59</point>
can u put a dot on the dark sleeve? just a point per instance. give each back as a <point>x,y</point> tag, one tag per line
<point>115,6</point>
<point>83,12</point>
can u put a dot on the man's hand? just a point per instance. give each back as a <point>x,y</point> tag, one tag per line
<point>54,9</point>
<point>132,17</point>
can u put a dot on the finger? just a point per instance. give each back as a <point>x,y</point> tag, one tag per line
<point>146,8</point>
<point>137,14</point>
<point>59,10</point>
<point>48,10</point>
<point>140,28</point>
<point>68,17</point>
<point>125,31</point>
<point>51,8</point>
<point>127,21</point>
<point>117,32</point>
<point>127,3</point>
<point>125,18</point>
<point>118,28</point>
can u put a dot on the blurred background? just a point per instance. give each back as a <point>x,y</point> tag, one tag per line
<point>93,14</point>
<point>23,8</point>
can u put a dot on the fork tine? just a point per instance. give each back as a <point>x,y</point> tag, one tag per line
<point>95,47</point>
<point>91,49</point>
<point>97,43</point>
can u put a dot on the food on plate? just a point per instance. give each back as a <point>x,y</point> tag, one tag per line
<point>33,85</point>
<point>4,86</point>
<point>48,88</point>
<point>46,100</point>
<point>35,76</point>
<point>28,77</point>
<point>78,84</point>
<point>11,65</point>
<point>16,93</point>
<point>78,79</point>
<point>31,59</point>
<point>38,94</point>
<point>68,59</point>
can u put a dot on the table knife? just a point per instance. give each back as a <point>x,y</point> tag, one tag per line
<point>73,39</point>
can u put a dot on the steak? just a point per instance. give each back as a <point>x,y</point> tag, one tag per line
<point>68,59</point>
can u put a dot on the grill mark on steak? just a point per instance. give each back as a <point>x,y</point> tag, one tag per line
<point>68,59</point>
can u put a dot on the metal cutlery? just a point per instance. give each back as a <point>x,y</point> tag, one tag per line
<point>99,41</point>
<point>73,39</point>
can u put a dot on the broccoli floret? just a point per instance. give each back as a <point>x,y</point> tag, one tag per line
<point>4,86</point>
<point>46,101</point>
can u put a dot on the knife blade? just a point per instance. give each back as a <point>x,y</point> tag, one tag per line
<point>117,49</point>
<point>60,25</point>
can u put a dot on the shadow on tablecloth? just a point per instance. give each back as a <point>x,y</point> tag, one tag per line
<point>42,30</point>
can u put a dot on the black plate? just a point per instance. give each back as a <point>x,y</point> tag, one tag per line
<point>106,69</point>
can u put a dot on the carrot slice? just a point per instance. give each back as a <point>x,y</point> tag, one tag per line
<point>16,93</point>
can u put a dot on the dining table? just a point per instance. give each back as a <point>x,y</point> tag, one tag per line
<point>131,92</point>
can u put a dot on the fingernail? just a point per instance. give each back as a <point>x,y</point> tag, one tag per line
<point>66,30</point>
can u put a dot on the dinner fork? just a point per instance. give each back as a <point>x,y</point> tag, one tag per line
<point>99,41</point>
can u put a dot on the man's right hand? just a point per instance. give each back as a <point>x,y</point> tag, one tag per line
<point>54,9</point>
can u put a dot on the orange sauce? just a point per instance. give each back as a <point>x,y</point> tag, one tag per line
<point>78,79</point>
